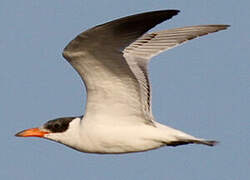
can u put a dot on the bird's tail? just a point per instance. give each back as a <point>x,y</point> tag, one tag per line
<point>192,141</point>
<point>207,142</point>
<point>174,137</point>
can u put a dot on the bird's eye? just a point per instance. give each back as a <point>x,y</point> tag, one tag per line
<point>56,125</point>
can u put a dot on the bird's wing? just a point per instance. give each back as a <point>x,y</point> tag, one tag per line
<point>113,89</point>
<point>152,44</point>
<point>144,48</point>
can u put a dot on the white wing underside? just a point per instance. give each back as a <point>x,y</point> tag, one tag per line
<point>139,53</point>
<point>116,75</point>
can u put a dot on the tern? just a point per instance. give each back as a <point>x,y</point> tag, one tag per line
<point>112,60</point>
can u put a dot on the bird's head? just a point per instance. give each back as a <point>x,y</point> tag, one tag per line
<point>60,130</point>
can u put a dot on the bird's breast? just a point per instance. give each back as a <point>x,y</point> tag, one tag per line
<point>118,139</point>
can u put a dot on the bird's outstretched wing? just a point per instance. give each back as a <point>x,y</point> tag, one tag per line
<point>113,89</point>
<point>112,60</point>
<point>144,48</point>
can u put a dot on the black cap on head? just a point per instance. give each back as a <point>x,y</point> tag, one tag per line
<point>58,125</point>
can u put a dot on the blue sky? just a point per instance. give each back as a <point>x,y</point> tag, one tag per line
<point>202,88</point>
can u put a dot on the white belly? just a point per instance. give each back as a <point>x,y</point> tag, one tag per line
<point>120,139</point>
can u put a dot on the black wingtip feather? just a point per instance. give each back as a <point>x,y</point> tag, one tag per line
<point>120,32</point>
<point>139,23</point>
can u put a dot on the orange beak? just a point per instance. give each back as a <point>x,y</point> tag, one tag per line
<point>33,132</point>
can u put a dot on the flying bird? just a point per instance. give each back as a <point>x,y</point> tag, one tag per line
<point>112,61</point>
